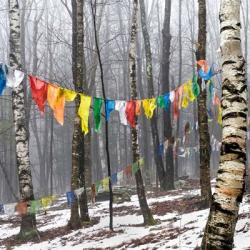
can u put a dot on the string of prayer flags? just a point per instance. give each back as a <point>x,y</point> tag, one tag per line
<point>2,78</point>
<point>70,198</point>
<point>109,107</point>
<point>21,208</point>
<point>98,102</point>
<point>14,77</point>
<point>34,207</point>
<point>195,86</point>
<point>56,100</point>
<point>130,113</point>
<point>83,112</point>
<point>38,92</point>
<point>149,106</point>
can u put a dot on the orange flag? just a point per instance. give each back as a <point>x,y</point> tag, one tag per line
<point>56,100</point>
<point>203,65</point>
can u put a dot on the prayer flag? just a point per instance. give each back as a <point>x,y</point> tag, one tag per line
<point>56,100</point>
<point>70,197</point>
<point>109,107</point>
<point>2,78</point>
<point>105,183</point>
<point>34,207</point>
<point>14,77</point>
<point>78,192</point>
<point>38,91</point>
<point>137,107</point>
<point>195,86</point>
<point>203,65</point>
<point>114,178</point>
<point>83,112</point>
<point>130,113</point>
<point>149,106</point>
<point>135,168</point>
<point>98,102</point>
<point>120,106</point>
<point>21,208</point>
<point>9,209</point>
<point>1,209</point>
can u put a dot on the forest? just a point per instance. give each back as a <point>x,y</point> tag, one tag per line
<point>124,124</point>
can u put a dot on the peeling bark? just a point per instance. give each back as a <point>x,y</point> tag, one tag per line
<point>229,190</point>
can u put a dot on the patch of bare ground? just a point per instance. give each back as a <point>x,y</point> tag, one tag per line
<point>185,205</point>
<point>165,235</point>
<point>47,235</point>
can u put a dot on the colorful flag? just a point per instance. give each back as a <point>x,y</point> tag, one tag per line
<point>21,208</point>
<point>120,106</point>
<point>114,178</point>
<point>195,86</point>
<point>14,77</point>
<point>83,112</point>
<point>38,91</point>
<point>34,207</point>
<point>109,107</point>
<point>149,106</point>
<point>203,65</point>
<point>2,78</point>
<point>137,107</point>
<point>130,113</point>
<point>98,102</point>
<point>135,168</point>
<point>70,197</point>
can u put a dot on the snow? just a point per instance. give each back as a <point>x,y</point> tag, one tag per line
<point>188,228</point>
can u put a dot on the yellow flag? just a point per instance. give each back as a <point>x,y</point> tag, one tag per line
<point>149,106</point>
<point>184,103</point>
<point>70,95</point>
<point>83,112</point>
<point>190,93</point>
<point>220,115</point>
<point>46,201</point>
<point>105,183</point>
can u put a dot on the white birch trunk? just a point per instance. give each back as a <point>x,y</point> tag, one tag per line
<point>230,180</point>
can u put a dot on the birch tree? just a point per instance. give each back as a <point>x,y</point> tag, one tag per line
<point>28,222</point>
<point>229,190</point>
<point>147,216</point>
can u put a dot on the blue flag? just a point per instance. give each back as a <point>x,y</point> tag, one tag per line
<point>206,76</point>
<point>70,197</point>
<point>109,107</point>
<point>2,78</point>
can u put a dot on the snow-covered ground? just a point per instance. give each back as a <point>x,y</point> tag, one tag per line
<point>176,230</point>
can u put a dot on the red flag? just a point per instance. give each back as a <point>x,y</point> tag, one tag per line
<point>130,113</point>
<point>39,91</point>
<point>203,65</point>
<point>176,105</point>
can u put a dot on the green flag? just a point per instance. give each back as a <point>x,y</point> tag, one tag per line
<point>160,101</point>
<point>195,87</point>
<point>135,167</point>
<point>97,113</point>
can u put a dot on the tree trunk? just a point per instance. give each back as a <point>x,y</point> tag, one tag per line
<point>147,216</point>
<point>230,180</point>
<point>205,147</point>
<point>78,71</point>
<point>166,42</point>
<point>28,223</point>
<point>153,122</point>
